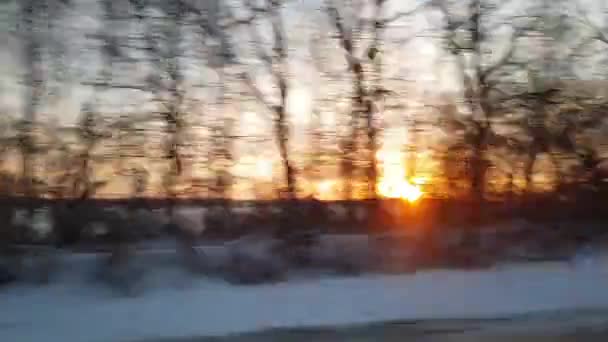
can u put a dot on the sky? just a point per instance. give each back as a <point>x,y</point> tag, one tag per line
<point>80,21</point>
<point>302,18</point>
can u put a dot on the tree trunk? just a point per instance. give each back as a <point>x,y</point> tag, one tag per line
<point>282,135</point>
<point>372,146</point>
<point>33,82</point>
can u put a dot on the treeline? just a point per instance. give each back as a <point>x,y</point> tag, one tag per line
<point>521,118</point>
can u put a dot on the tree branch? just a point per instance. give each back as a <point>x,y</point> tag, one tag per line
<point>256,92</point>
<point>113,85</point>
<point>583,18</point>
<point>452,25</point>
<point>503,60</point>
<point>345,41</point>
<point>260,52</point>
<point>575,51</point>
<point>317,60</point>
<point>280,51</point>
<point>399,15</point>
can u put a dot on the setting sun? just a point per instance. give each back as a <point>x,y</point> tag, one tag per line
<point>399,189</point>
<point>264,168</point>
<point>394,183</point>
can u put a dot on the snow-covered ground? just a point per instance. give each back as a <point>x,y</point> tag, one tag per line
<point>176,304</point>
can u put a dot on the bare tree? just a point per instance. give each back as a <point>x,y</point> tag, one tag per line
<point>362,105</point>
<point>275,63</point>
<point>164,41</point>
<point>364,62</point>
<point>124,133</point>
<point>321,145</point>
<point>589,155</point>
<point>552,112</point>
<point>37,22</point>
<point>89,132</point>
<point>222,158</point>
<point>481,80</point>
<point>31,13</point>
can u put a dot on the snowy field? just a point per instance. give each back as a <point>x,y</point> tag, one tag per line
<point>178,305</point>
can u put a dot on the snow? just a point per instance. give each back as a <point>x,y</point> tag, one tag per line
<point>180,305</point>
<point>42,223</point>
<point>19,217</point>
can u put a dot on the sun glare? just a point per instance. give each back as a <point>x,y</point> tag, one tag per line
<point>264,168</point>
<point>399,189</point>
<point>410,192</point>
<point>325,189</point>
<point>394,182</point>
<point>419,180</point>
